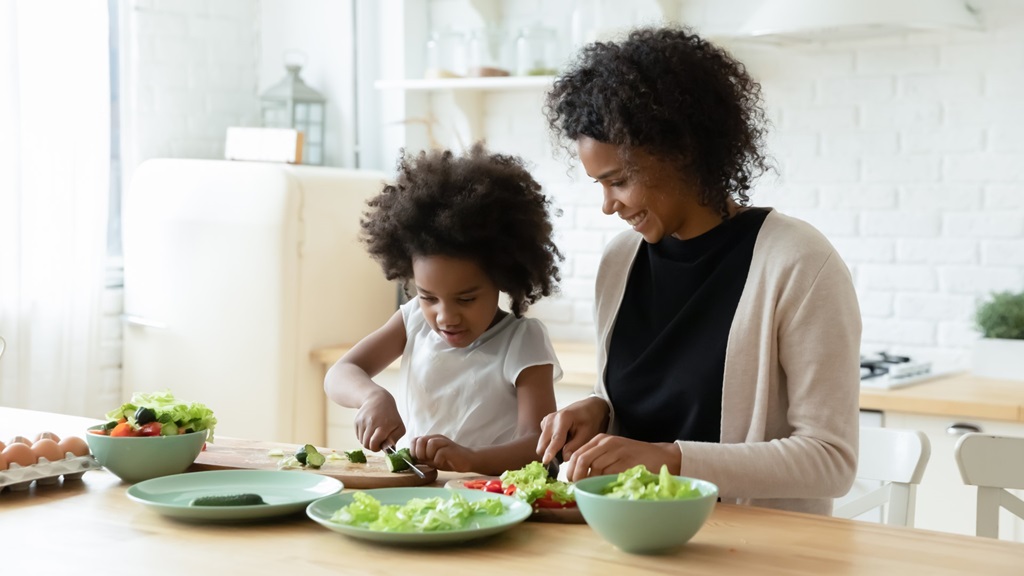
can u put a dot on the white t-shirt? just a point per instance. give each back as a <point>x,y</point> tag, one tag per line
<point>467,394</point>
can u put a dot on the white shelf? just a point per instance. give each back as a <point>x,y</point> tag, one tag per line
<point>491,83</point>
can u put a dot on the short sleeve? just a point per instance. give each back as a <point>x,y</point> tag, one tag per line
<point>530,346</point>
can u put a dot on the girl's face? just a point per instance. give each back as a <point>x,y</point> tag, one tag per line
<point>459,301</point>
<point>652,197</point>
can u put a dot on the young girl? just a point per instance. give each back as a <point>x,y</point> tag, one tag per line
<point>476,380</point>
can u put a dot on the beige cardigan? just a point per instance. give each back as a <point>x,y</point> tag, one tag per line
<point>791,385</point>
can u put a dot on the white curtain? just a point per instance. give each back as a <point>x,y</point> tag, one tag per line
<point>54,188</point>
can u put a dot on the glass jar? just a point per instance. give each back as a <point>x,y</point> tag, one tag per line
<point>445,55</point>
<point>536,51</point>
<point>484,55</point>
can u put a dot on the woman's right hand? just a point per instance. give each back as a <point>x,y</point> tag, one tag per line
<point>378,423</point>
<point>571,427</point>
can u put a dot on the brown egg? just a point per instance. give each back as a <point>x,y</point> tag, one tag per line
<point>48,449</point>
<point>3,462</point>
<point>74,445</point>
<point>20,454</point>
<point>19,440</point>
<point>2,446</point>
<point>49,435</point>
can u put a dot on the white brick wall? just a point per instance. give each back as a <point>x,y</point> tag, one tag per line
<point>190,73</point>
<point>905,151</point>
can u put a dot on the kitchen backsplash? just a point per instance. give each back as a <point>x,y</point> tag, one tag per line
<point>905,151</point>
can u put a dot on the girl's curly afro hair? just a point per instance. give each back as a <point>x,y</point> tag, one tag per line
<point>674,95</point>
<point>479,206</point>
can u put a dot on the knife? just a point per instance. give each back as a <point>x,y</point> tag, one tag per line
<point>391,450</point>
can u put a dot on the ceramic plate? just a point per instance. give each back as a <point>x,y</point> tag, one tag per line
<point>559,515</point>
<point>480,526</point>
<point>284,491</point>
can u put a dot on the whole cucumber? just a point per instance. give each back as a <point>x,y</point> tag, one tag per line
<point>228,500</point>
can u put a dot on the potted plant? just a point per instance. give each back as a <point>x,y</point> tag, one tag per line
<point>1000,351</point>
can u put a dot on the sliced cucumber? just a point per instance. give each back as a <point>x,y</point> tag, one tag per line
<point>396,462</point>
<point>356,456</point>
<point>228,500</point>
<point>314,459</point>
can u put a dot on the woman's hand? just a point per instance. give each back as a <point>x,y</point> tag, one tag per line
<point>607,454</point>
<point>571,427</point>
<point>442,453</point>
<point>378,423</point>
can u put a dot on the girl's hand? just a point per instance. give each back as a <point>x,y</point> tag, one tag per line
<point>441,453</point>
<point>378,423</point>
<point>607,454</point>
<point>571,427</point>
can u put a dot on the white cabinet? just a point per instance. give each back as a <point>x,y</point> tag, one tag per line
<point>944,503</point>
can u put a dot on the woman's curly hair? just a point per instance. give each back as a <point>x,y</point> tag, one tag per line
<point>479,206</point>
<point>674,95</point>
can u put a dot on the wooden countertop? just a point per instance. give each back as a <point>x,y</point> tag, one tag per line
<point>957,395</point>
<point>90,527</point>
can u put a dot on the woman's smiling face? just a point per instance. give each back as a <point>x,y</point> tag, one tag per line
<point>458,300</point>
<point>650,197</point>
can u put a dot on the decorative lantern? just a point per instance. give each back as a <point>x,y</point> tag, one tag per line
<point>292,104</point>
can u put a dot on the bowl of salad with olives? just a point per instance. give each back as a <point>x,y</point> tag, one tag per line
<point>152,435</point>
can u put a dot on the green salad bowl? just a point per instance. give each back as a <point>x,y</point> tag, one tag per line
<point>644,526</point>
<point>138,458</point>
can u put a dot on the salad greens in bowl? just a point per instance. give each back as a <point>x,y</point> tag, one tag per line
<point>150,436</point>
<point>643,513</point>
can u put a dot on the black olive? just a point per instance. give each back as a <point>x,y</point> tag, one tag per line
<point>144,416</point>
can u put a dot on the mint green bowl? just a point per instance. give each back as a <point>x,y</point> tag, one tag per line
<point>644,526</point>
<point>134,459</point>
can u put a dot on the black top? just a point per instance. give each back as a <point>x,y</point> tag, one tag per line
<point>666,358</point>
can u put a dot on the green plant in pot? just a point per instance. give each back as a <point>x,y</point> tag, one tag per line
<point>1000,351</point>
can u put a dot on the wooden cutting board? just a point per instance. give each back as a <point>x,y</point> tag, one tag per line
<point>231,454</point>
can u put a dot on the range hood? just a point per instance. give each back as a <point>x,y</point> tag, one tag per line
<point>793,21</point>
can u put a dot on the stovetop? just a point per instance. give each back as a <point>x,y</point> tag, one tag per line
<point>884,370</point>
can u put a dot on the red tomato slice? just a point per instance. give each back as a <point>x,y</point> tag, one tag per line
<point>548,501</point>
<point>474,484</point>
<point>151,429</point>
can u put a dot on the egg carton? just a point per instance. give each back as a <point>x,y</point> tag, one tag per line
<point>45,472</point>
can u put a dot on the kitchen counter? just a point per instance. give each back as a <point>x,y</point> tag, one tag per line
<point>961,394</point>
<point>90,527</point>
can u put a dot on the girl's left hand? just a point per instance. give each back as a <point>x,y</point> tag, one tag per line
<point>608,454</point>
<point>442,453</point>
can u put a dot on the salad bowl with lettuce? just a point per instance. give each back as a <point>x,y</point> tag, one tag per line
<point>151,435</point>
<point>640,512</point>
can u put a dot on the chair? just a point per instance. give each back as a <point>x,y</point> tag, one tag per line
<point>994,464</point>
<point>897,458</point>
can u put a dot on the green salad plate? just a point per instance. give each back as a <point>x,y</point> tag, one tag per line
<point>479,525</point>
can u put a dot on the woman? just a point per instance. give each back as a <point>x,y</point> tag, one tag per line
<point>728,335</point>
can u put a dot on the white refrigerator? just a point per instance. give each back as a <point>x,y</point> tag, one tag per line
<point>234,273</point>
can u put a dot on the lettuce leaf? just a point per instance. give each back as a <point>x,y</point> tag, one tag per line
<point>170,412</point>
<point>417,515</point>
<point>532,482</point>
<point>639,483</point>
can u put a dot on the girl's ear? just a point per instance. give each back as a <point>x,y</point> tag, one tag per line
<point>406,291</point>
